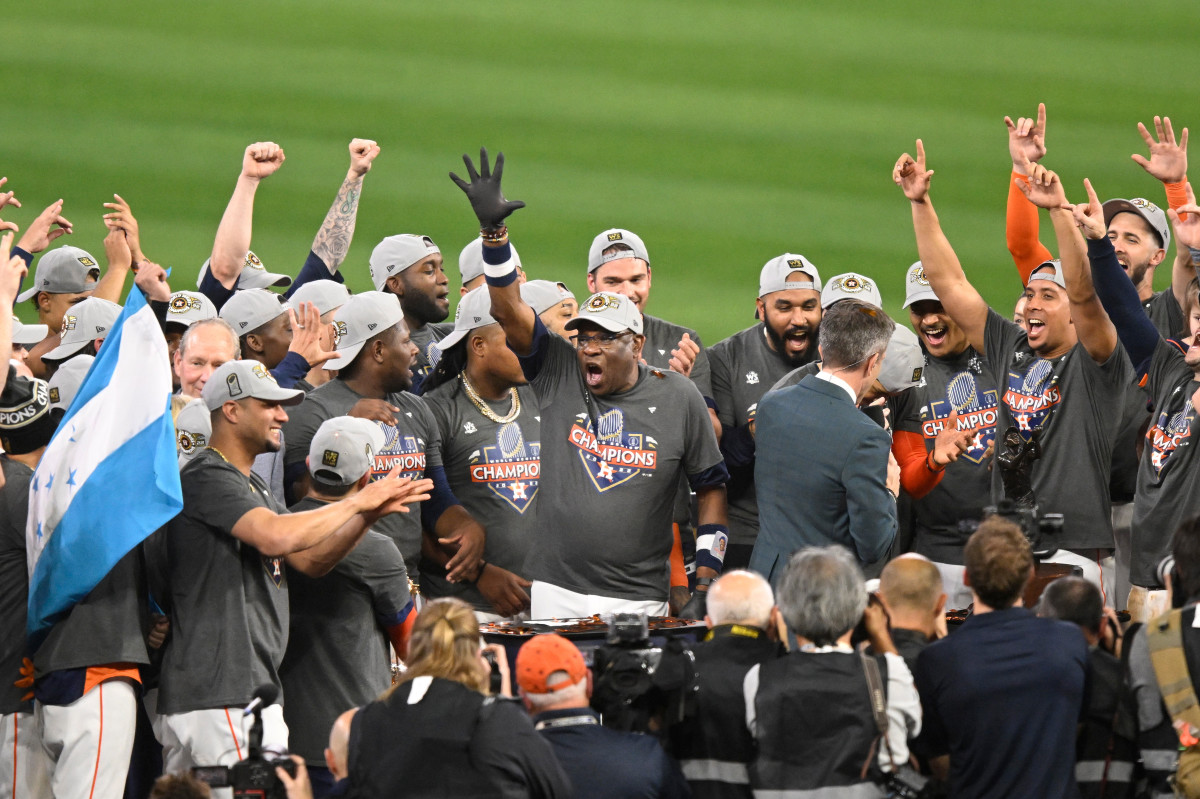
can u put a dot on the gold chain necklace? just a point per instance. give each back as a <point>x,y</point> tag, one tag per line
<point>219,452</point>
<point>483,408</point>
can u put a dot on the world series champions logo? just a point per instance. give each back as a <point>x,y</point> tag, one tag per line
<point>977,413</point>
<point>406,450</point>
<point>609,454</point>
<point>1168,433</point>
<point>510,468</point>
<point>1030,397</point>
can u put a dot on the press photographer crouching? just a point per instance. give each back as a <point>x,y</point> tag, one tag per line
<point>438,733</point>
<point>811,712</point>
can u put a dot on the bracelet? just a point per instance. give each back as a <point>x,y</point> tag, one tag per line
<point>931,464</point>
<point>494,236</point>
<point>704,581</point>
<point>482,565</point>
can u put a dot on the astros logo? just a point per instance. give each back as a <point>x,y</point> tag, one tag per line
<point>599,302</point>
<point>182,304</point>
<point>610,455</point>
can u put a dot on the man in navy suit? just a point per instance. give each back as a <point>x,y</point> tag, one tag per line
<point>824,471</point>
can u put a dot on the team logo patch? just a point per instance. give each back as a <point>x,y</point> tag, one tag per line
<point>69,321</point>
<point>54,393</point>
<point>469,428</point>
<point>615,237</point>
<point>1169,432</point>
<point>329,458</point>
<point>510,468</point>
<point>187,443</point>
<point>1141,202</point>
<point>852,284</point>
<point>752,378</point>
<point>181,303</point>
<point>796,263</point>
<point>406,450</point>
<point>88,262</point>
<point>610,455</point>
<point>339,330</point>
<point>917,275</point>
<point>252,261</point>
<point>260,371</point>
<point>977,412</point>
<point>916,375</point>
<point>234,386</point>
<point>1030,397</point>
<point>274,569</point>
<point>599,302</point>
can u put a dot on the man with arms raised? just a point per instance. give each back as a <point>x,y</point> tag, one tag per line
<point>617,437</point>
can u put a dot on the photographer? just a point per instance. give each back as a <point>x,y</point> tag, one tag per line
<point>713,746</point>
<point>811,712</point>
<point>555,687</point>
<point>437,733</point>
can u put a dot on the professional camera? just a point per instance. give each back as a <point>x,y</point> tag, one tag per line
<point>254,777</point>
<point>639,686</point>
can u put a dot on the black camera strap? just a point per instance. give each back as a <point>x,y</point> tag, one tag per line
<point>878,704</point>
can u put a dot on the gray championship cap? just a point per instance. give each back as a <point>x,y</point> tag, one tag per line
<point>1053,274</point>
<point>775,273</point>
<point>239,380</point>
<point>343,449</point>
<point>1154,216</point>
<point>249,309</point>
<point>613,312</point>
<point>362,317</point>
<point>597,258</point>
<point>188,307</point>
<point>193,429</point>
<point>28,335</point>
<point>916,286</point>
<point>66,270</point>
<point>542,295</point>
<point>327,295</point>
<point>253,276</point>
<point>903,362</point>
<point>84,322</point>
<point>396,253</point>
<point>474,310</point>
<point>470,260</point>
<point>65,382</point>
<point>850,286</point>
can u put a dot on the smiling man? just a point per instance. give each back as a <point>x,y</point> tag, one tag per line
<point>747,364</point>
<point>617,436</point>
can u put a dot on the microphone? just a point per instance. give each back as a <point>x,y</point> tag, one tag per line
<point>264,695</point>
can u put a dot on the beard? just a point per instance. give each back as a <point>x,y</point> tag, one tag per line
<point>779,342</point>
<point>422,307</point>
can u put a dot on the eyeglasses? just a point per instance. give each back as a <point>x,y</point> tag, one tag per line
<point>605,341</point>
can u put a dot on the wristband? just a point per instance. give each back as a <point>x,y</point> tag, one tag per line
<point>482,565</point>
<point>710,546</point>
<point>931,464</point>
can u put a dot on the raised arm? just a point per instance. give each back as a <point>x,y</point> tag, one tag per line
<point>1026,144</point>
<point>960,299</point>
<point>233,234</point>
<point>333,239</point>
<point>12,270</point>
<point>491,209</point>
<point>1168,163</point>
<point>1095,330</point>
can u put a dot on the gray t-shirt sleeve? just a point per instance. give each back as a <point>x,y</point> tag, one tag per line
<point>218,496</point>
<point>559,366</point>
<point>381,569</point>
<point>702,451</point>
<point>722,385</point>
<point>298,431</point>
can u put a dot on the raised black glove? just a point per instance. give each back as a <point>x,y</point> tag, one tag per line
<point>487,200</point>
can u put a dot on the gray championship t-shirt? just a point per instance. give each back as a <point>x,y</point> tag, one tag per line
<point>229,603</point>
<point>1167,492</point>
<point>1165,314</point>
<point>744,367</point>
<point>945,517</point>
<point>610,468</point>
<point>337,654</point>
<point>494,470</point>
<point>412,442</point>
<point>14,583</point>
<point>1077,404</point>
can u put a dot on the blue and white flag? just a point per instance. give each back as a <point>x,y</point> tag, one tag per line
<point>109,477</point>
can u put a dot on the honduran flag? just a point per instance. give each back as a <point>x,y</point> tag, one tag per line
<point>109,477</point>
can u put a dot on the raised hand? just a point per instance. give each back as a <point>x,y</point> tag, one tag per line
<point>1089,216</point>
<point>49,225</point>
<point>1043,188</point>
<point>122,218</point>
<point>1168,159</point>
<point>306,335</point>
<point>1186,221</point>
<point>1027,139</point>
<point>487,199</point>
<point>911,175</point>
<point>8,198</point>
<point>261,160</point>
<point>12,271</point>
<point>362,153</point>
<point>152,280</point>
<point>950,442</point>
<point>116,249</point>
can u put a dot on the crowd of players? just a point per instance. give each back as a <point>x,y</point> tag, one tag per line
<point>348,459</point>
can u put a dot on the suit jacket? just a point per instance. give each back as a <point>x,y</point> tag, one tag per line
<point>821,477</point>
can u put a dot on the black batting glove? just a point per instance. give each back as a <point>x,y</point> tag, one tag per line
<point>487,200</point>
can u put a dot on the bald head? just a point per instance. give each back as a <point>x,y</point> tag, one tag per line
<point>740,597</point>
<point>337,756</point>
<point>911,582</point>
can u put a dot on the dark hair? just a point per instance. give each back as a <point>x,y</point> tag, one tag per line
<point>330,488</point>
<point>449,367</point>
<point>852,331</point>
<point>179,786</point>
<point>998,562</point>
<point>1073,599</point>
<point>1185,546</point>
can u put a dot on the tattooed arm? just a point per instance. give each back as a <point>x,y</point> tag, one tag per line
<point>333,239</point>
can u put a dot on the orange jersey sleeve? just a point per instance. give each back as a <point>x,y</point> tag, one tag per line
<point>915,476</point>
<point>1021,231</point>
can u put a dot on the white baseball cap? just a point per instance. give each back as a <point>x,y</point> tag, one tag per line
<point>775,273</point>
<point>363,316</point>
<point>916,286</point>
<point>186,307</point>
<point>249,309</point>
<point>613,312</point>
<point>343,449</point>
<point>65,270</point>
<point>239,380</point>
<point>397,253</point>
<point>474,310</point>
<point>253,275</point>
<point>85,321</point>
<point>597,258</point>
<point>850,286</point>
<point>327,295</point>
<point>65,382</point>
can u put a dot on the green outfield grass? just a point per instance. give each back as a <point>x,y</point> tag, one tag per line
<point>724,133</point>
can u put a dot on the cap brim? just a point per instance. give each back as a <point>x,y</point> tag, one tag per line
<point>348,354</point>
<point>28,294</point>
<point>1114,207</point>
<point>452,338</point>
<point>917,296</point>
<point>262,280</point>
<point>64,351</point>
<point>29,335</point>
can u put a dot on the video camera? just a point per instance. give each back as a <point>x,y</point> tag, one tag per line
<point>1040,530</point>
<point>254,777</point>
<point>637,685</point>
